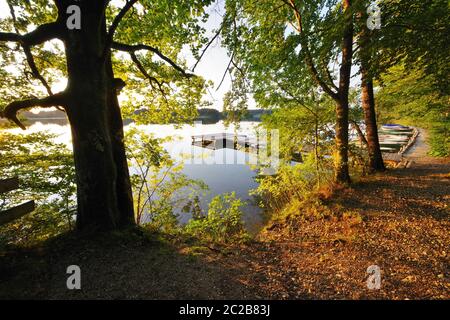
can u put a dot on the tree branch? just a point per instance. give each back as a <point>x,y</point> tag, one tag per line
<point>113,27</point>
<point>226,70</point>
<point>308,57</point>
<point>145,73</point>
<point>330,77</point>
<point>27,51</point>
<point>41,34</point>
<point>34,69</point>
<point>207,46</point>
<point>137,47</point>
<point>10,111</point>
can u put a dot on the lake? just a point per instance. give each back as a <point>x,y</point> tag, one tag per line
<point>224,170</point>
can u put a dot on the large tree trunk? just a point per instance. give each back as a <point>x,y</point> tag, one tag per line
<point>103,185</point>
<point>341,172</point>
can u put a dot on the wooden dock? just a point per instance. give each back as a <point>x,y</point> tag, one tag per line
<point>394,141</point>
<point>216,141</point>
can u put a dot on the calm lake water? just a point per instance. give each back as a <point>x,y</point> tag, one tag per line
<point>223,170</point>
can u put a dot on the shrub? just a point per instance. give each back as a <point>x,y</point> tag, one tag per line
<point>292,182</point>
<point>47,175</point>
<point>440,139</point>
<point>223,222</point>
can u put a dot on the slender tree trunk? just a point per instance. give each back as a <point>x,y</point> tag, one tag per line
<point>341,172</point>
<point>316,150</point>
<point>368,104</point>
<point>362,138</point>
<point>103,185</point>
<point>368,101</point>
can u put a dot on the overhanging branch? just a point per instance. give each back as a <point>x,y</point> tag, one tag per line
<point>308,57</point>
<point>34,69</point>
<point>137,47</point>
<point>27,51</point>
<point>10,111</point>
<point>207,46</point>
<point>144,72</point>
<point>113,27</point>
<point>41,34</point>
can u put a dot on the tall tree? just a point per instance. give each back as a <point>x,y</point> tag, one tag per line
<point>376,163</point>
<point>411,33</point>
<point>90,31</point>
<point>323,33</point>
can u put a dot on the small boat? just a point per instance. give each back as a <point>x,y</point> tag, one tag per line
<point>395,127</point>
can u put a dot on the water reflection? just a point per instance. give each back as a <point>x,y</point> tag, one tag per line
<point>224,170</point>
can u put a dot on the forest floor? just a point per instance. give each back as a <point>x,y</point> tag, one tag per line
<point>398,220</point>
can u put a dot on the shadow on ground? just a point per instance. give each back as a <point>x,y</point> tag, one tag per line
<point>116,267</point>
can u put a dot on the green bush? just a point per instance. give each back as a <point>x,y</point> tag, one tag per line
<point>47,176</point>
<point>222,224</point>
<point>440,139</point>
<point>292,182</point>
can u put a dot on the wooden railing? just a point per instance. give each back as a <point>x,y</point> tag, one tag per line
<point>14,213</point>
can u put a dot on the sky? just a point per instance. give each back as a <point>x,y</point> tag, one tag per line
<point>215,61</point>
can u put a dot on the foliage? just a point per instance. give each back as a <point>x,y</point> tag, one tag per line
<point>235,101</point>
<point>170,26</point>
<point>415,33</point>
<point>409,97</point>
<point>292,183</point>
<point>18,80</point>
<point>47,175</point>
<point>166,25</point>
<point>223,222</point>
<point>301,131</point>
<point>161,191</point>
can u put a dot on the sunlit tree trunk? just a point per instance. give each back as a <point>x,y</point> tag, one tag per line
<point>341,172</point>
<point>368,104</point>
<point>368,101</point>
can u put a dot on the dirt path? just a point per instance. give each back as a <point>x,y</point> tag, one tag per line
<point>405,230</point>
<point>418,152</point>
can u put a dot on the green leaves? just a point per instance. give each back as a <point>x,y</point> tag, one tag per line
<point>410,97</point>
<point>171,27</point>
<point>415,33</point>
<point>161,191</point>
<point>47,175</point>
<point>223,222</point>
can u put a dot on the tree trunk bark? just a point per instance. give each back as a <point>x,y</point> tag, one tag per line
<point>123,184</point>
<point>368,102</point>
<point>103,184</point>
<point>341,172</point>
